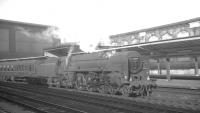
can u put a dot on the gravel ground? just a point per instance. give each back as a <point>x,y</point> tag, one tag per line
<point>9,107</point>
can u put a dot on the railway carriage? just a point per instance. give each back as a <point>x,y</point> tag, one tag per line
<point>34,70</point>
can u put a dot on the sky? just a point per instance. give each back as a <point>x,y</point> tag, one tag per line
<point>91,21</point>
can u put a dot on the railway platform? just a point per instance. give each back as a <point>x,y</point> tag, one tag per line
<point>187,84</point>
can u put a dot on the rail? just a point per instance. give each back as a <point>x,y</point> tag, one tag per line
<point>106,102</point>
<point>35,104</point>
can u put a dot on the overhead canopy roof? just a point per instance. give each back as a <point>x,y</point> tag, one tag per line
<point>173,47</point>
<point>63,50</point>
<point>26,58</point>
<point>187,46</point>
<point>165,48</point>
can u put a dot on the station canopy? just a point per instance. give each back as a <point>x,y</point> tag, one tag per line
<point>26,58</point>
<point>63,49</point>
<point>187,46</point>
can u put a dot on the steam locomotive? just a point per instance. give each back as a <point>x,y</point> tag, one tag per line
<point>122,73</point>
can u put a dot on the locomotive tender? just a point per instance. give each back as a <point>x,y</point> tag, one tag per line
<point>108,71</point>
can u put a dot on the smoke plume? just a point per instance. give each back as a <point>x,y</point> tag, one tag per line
<point>40,34</point>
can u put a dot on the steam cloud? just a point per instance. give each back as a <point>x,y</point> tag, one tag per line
<point>51,33</point>
<point>48,35</point>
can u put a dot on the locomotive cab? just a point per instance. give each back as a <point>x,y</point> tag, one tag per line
<point>130,64</point>
<point>137,69</point>
<point>135,72</point>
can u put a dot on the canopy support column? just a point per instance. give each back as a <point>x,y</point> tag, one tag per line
<point>196,69</point>
<point>168,68</point>
<point>158,65</point>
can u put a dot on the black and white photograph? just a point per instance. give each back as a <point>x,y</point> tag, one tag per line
<point>99,56</point>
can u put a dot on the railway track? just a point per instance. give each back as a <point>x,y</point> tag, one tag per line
<point>2,110</point>
<point>113,104</point>
<point>56,99</point>
<point>35,104</point>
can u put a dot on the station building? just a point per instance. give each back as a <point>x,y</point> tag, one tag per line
<point>19,39</point>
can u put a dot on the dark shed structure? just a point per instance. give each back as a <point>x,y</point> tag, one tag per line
<point>19,39</point>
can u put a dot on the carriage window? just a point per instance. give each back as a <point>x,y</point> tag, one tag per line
<point>26,67</point>
<point>16,68</point>
<point>32,67</point>
<point>12,68</point>
<point>23,67</point>
<point>4,68</point>
<point>7,68</point>
<point>135,77</point>
<point>20,68</point>
<point>29,68</point>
